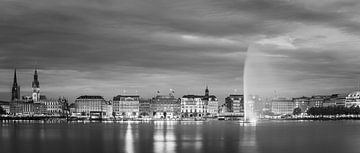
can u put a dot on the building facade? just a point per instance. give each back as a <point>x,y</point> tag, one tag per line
<point>193,106</point>
<point>20,107</point>
<point>56,107</point>
<point>235,103</point>
<point>353,99</point>
<point>88,105</point>
<point>282,106</point>
<point>302,103</point>
<point>211,105</point>
<point>165,107</point>
<point>144,107</point>
<point>126,105</point>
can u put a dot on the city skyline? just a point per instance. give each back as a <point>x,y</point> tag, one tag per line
<point>90,47</point>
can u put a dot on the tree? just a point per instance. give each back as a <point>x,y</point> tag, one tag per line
<point>297,111</point>
<point>2,110</point>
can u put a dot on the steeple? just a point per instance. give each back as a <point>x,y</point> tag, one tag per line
<point>15,78</point>
<point>35,87</point>
<point>207,92</point>
<point>35,83</point>
<point>15,91</point>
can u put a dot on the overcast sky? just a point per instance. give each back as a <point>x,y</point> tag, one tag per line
<point>104,47</point>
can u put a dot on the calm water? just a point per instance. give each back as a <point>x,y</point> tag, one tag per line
<point>186,137</point>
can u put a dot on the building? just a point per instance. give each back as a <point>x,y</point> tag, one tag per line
<point>126,105</point>
<point>193,106</point>
<point>144,107</point>
<point>165,106</point>
<point>282,106</point>
<point>54,106</point>
<point>302,103</point>
<point>212,107</point>
<point>5,105</point>
<point>90,105</point>
<point>235,103</point>
<point>15,91</point>
<point>317,100</point>
<point>199,105</point>
<point>20,107</point>
<point>352,99</point>
<point>35,88</point>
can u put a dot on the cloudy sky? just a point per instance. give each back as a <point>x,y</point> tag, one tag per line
<point>107,46</point>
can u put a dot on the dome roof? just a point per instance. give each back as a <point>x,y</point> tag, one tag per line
<point>354,94</point>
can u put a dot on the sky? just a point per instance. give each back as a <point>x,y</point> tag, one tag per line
<point>111,47</point>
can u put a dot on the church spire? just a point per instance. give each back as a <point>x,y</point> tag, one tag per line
<point>15,91</point>
<point>35,83</point>
<point>15,78</point>
<point>207,92</point>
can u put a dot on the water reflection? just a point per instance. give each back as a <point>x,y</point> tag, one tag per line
<point>248,142</point>
<point>187,137</point>
<point>164,137</point>
<point>129,140</point>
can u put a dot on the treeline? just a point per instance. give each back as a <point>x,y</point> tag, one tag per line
<point>334,111</point>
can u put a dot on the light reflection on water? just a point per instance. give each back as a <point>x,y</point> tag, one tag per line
<point>187,137</point>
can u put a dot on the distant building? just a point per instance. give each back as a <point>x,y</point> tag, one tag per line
<point>15,91</point>
<point>20,107</point>
<point>35,88</point>
<point>199,105</point>
<point>302,103</point>
<point>211,103</point>
<point>317,100</point>
<point>282,106</point>
<point>235,103</point>
<point>353,99</point>
<point>5,105</point>
<point>193,106</point>
<point>54,106</point>
<point>87,105</point>
<point>144,107</point>
<point>126,105</point>
<point>165,106</point>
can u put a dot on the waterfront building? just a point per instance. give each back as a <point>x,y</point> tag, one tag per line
<point>165,106</point>
<point>88,105</point>
<point>15,91</point>
<point>35,88</point>
<point>54,106</point>
<point>332,100</point>
<point>212,105</point>
<point>20,107</point>
<point>193,106</point>
<point>126,105</point>
<point>353,99</point>
<point>5,105</point>
<point>235,103</point>
<point>199,106</point>
<point>317,100</point>
<point>144,107</point>
<point>282,106</point>
<point>302,103</point>
<point>340,100</point>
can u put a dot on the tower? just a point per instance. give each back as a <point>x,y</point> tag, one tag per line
<point>15,91</point>
<point>36,88</point>
<point>207,92</point>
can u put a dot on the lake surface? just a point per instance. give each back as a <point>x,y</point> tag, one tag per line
<point>182,137</point>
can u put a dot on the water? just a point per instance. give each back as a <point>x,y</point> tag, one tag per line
<point>186,137</point>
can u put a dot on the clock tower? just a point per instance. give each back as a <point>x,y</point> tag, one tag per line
<point>35,88</point>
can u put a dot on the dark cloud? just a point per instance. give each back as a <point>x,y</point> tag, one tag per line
<point>148,45</point>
